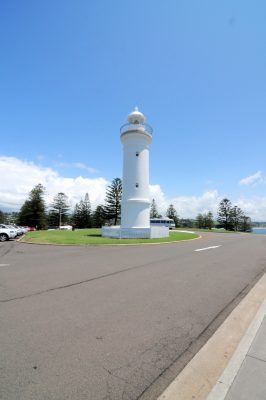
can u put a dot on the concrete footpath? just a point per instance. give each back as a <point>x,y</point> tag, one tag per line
<point>232,364</point>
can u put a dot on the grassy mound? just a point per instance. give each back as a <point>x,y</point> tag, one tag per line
<point>93,236</point>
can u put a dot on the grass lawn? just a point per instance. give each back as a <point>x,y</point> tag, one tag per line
<point>93,236</point>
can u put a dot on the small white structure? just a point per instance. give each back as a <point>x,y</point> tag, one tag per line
<point>136,137</point>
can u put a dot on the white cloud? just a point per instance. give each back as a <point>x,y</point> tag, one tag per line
<point>255,208</point>
<point>18,177</point>
<point>78,165</point>
<point>157,194</point>
<point>186,206</point>
<point>86,167</point>
<point>253,179</point>
<point>191,206</point>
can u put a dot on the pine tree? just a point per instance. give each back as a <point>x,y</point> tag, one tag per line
<point>32,212</point>
<point>112,207</point>
<point>86,211</point>
<point>82,213</point>
<point>52,219</point>
<point>245,224</point>
<point>98,217</point>
<point>153,210</point>
<point>172,213</point>
<point>204,221</point>
<point>232,218</point>
<point>200,221</point>
<point>60,208</point>
<point>76,216</point>
<point>209,220</point>
<point>236,215</point>
<point>224,214</point>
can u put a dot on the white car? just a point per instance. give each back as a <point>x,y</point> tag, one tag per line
<point>65,228</point>
<point>13,228</point>
<point>7,233</point>
<point>24,229</point>
<point>18,229</point>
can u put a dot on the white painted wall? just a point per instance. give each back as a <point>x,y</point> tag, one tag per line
<point>135,233</point>
<point>135,207</point>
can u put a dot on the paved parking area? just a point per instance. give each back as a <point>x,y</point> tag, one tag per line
<point>107,322</point>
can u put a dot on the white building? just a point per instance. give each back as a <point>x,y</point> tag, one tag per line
<point>136,137</point>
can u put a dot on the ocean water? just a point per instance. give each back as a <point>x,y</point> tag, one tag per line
<point>261,231</point>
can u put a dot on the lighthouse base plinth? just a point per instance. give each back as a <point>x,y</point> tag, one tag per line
<point>135,233</point>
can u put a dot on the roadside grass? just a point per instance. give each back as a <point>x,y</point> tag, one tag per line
<point>93,236</point>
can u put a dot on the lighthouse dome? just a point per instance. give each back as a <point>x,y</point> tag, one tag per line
<point>136,117</point>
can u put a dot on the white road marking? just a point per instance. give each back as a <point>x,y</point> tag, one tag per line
<point>4,265</point>
<point>208,248</point>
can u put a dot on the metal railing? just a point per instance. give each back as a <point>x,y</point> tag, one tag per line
<point>136,127</point>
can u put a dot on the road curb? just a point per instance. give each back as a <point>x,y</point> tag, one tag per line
<point>110,244</point>
<point>201,374</point>
<point>225,381</point>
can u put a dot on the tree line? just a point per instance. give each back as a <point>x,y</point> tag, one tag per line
<point>229,217</point>
<point>36,213</point>
<point>232,218</point>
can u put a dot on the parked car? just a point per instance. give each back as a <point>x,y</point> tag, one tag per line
<point>65,228</point>
<point>7,233</point>
<point>30,228</point>
<point>13,228</point>
<point>24,229</point>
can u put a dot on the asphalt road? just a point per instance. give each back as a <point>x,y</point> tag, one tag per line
<point>114,322</point>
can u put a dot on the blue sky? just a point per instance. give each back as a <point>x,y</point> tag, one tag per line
<point>71,71</point>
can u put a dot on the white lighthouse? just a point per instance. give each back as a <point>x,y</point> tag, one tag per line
<point>135,137</point>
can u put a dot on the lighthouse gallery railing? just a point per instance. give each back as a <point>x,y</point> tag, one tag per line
<point>135,127</point>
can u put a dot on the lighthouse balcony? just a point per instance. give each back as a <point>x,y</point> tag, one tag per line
<point>144,128</point>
